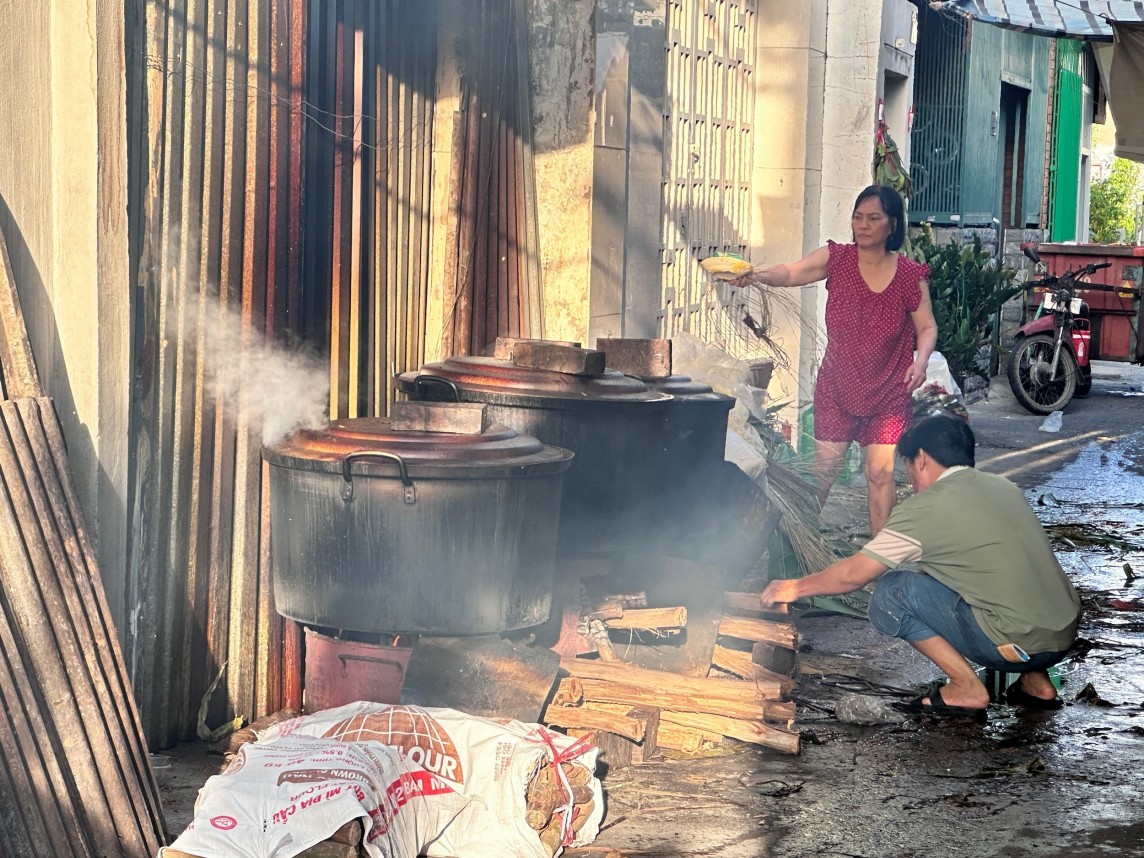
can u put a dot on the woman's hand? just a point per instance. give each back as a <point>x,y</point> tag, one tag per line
<point>915,375</point>
<point>784,590</point>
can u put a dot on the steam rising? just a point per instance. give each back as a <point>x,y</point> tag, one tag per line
<point>272,388</point>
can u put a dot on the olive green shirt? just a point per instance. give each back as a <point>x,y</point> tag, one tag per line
<point>975,533</point>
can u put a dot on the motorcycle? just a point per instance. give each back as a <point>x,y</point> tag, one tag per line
<point>1049,364</point>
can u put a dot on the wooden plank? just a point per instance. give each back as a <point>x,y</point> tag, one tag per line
<point>593,719</point>
<point>741,664</point>
<point>776,659</point>
<point>748,706</point>
<point>661,680</point>
<point>17,362</point>
<point>750,602</point>
<point>641,358</point>
<point>555,358</point>
<point>649,618</point>
<point>766,631</point>
<point>736,728</point>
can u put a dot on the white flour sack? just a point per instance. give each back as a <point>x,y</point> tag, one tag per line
<point>277,800</point>
<point>489,763</point>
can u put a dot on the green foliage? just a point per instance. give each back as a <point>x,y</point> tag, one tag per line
<point>1112,203</point>
<point>968,287</point>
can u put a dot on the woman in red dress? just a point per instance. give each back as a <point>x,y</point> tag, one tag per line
<point>878,312</point>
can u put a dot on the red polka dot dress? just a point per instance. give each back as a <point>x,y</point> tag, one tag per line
<point>861,394</point>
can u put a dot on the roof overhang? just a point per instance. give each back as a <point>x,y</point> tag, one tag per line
<point>1116,25</point>
<point>1066,19</point>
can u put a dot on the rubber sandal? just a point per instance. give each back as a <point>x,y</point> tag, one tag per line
<point>1014,696</point>
<point>937,706</point>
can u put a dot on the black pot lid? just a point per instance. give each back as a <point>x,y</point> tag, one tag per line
<point>684,387</point>
<point>326,449</point>
<point>494,377</point>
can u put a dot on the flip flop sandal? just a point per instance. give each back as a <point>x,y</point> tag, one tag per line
<point>1014,696</point>
<point>937,706</point>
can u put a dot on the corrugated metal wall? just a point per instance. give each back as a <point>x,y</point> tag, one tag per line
<point>492,268</point>
<point>939,87</point>
<point>708,150</point>
<point>215,110</point>
<point>230,105</point>
<point>370,84</point>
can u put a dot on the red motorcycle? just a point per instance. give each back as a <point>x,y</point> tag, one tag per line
<point>1049,364</point>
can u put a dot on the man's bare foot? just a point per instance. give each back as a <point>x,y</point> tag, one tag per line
<point>1036,683</point>
<point>964,695</point>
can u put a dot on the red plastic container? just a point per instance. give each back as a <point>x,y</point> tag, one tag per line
<point>339,671</point>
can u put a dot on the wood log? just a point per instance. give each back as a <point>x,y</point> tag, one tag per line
<point>675,737</point>
<point>569,692</point>
<point>232,743</point>
<point>576,774</point>
<point>641,358</point>
<point>649,618</point>
<point>742,664</point>
<point>592,719</point>
<point>776,659</point>
<point>664,681</point>
<point>557,358</point>
<point>750,602</point>
<point>748,705</point>
<point>766,631</point>
<point>326,849</point>
<point>736,728</point>
<point>648,747</point>
<point>630,600</point>
<point>615,752</point>
<point>351,834</point>
<point>607,610</point>
<point>598,634</point>
<point>544,795</point>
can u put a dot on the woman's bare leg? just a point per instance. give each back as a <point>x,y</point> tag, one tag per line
<point>827,465</point>
<point>879,484</point>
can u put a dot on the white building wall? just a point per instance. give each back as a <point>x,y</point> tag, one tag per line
<point>822,68</point>
<point>63,213</point>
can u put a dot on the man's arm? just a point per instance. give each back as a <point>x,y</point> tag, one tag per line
<point>845,576</point>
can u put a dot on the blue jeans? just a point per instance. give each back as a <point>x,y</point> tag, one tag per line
<point>913,606</point>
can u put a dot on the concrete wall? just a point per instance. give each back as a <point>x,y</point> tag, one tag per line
<point>562,50</point>
<point>63,213</point>
<point>820,75</point>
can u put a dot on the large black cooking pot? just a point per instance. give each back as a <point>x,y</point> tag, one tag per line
<point>613,423</point>
<point>378,529</point>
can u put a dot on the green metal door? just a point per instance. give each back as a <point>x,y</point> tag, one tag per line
<point>1064,170</point>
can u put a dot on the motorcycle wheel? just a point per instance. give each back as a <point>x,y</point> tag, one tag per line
<point>1029,375</point>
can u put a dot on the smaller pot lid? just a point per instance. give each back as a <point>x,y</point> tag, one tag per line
<point>685,388</point>
<point>326,449</point>
<point>492,377</point>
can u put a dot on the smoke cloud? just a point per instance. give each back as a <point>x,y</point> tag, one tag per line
<point>273,388</point>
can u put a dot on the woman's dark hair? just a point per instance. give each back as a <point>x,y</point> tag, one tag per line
<point>948,440</point>
<point>892,207</point>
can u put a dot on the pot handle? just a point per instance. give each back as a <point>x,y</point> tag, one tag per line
<point>344,658</point>
<point>429,381</point>
<point>348,488</point>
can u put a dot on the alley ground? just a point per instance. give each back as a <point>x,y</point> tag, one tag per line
<point>1026,785</point>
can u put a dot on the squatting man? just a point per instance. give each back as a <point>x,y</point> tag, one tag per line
<point>984,585</point>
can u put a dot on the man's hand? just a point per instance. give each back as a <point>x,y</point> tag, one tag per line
<point>783,590</point>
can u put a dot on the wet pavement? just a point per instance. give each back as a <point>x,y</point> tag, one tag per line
<point>1024,784</point>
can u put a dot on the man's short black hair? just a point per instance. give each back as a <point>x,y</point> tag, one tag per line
<point>948,441</point>
<point>892,207</point>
